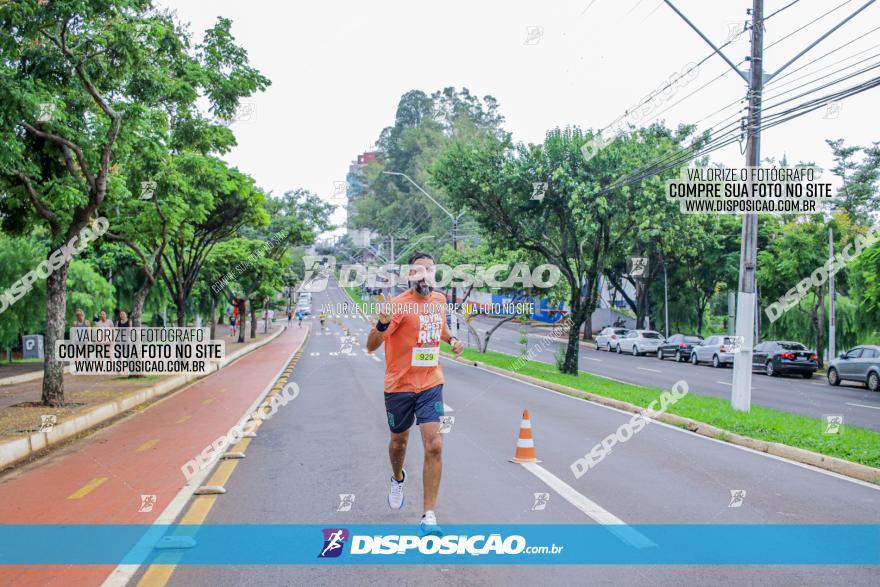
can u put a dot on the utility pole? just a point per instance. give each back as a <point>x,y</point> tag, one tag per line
<point>741,394</point>
<point>832,293</point>
<point>665,301</point>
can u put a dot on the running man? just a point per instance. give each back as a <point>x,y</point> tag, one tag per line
<point>414,380</point>
<point>322,317</point>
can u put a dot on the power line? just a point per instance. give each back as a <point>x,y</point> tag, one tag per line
<point>818,18</point>
<point>672,82</point>
<point>817,59</point>
<point>696,150</point>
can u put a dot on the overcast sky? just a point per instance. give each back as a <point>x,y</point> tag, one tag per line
<point>339,68</point>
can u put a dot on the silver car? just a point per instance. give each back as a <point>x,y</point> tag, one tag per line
<point>639,342</point>
<point>717,350</point>
<point>607,339</point>
<point>860,364</point>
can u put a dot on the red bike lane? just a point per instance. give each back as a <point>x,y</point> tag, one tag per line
<point>101,479</point>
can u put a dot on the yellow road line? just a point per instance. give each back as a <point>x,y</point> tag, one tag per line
<point>147,445</point>
<point>207,401</point>
<point>158,575</point>
<point>87,488</point>
<point>182,420</point>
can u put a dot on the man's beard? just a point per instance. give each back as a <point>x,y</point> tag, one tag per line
<point>422,288</point>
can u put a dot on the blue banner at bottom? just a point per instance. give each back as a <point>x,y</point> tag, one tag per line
<point>297,544</point>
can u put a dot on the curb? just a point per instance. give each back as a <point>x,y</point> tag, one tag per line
<point>194,487</point>
<point>799,455</point>
<point>22,378</point>
<point>18,449</point>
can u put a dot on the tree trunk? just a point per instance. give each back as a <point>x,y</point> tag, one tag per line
<point>588,328</point>
<point>253,320</point>
<point>137,304</point>
<point>570,363</point>
<point>819,327</point>
<point>492,330</point>
<point>180,302</point>
<point>213,317</point>
<point>56,308</point>
<point>242,309</point>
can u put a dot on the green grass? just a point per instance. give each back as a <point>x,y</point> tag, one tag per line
<point>366,306</point>
<point>858,445</point>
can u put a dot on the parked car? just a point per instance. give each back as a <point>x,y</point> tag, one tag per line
<point>607,339</point>
<point>304,306</point>
<point>678,346</point>
<point>639,342</point>
<point>859,364</point>
<point>717,350</point>
<point>776,357</point>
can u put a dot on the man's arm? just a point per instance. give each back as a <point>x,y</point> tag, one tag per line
<point>446,336</point>
<point>376,337</point>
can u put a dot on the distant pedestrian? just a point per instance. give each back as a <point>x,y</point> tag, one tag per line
<point>81,321</point>
<point>289,315</point>
<point>123,321</point>
<point>103,322</point>
<point>299,317</point>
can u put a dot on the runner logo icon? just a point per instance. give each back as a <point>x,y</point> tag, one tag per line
<point>334,539</point>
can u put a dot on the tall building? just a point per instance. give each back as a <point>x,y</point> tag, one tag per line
<point>356,186</point>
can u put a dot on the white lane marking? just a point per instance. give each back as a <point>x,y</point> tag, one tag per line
<point>447,407</point>
<point>863,406</point>
<point>315,354</point>
<point>683,430</point>
<point>592,359</point>
<point>646,369</point>
<point>377,359</point>
<point>592,509</point>
<point>731,384</point>
<point>123,573</point>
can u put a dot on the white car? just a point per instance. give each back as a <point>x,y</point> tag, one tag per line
<point>607,339</point>
<point>304,306</point>
<point>638,342</point>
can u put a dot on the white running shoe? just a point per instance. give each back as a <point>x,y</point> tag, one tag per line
<point>429,524</point>
<point>395,496</point>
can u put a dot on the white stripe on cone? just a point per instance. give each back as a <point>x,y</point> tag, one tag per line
<point>525,424</point>
<point>525,443</point>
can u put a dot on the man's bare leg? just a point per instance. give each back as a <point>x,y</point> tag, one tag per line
<point>397,453</point>
<point>433,443</point>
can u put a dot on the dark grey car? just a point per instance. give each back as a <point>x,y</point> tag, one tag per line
<point>861,364</point>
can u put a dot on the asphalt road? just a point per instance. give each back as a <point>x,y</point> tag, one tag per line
<point>814,398</point>
<point>333,440</point>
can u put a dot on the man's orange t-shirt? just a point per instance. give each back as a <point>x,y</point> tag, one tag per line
<point>421,326</point>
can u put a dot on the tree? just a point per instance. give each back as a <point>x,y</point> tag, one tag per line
<point>581,217</point>
<point>169,157</point>
<point>857,195</point>
<point>70,73</point>
<point>234,202</point>
<point>795,252</point>
<point>423,127</point>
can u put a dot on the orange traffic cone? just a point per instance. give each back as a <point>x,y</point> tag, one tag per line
<point>525,445</point>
